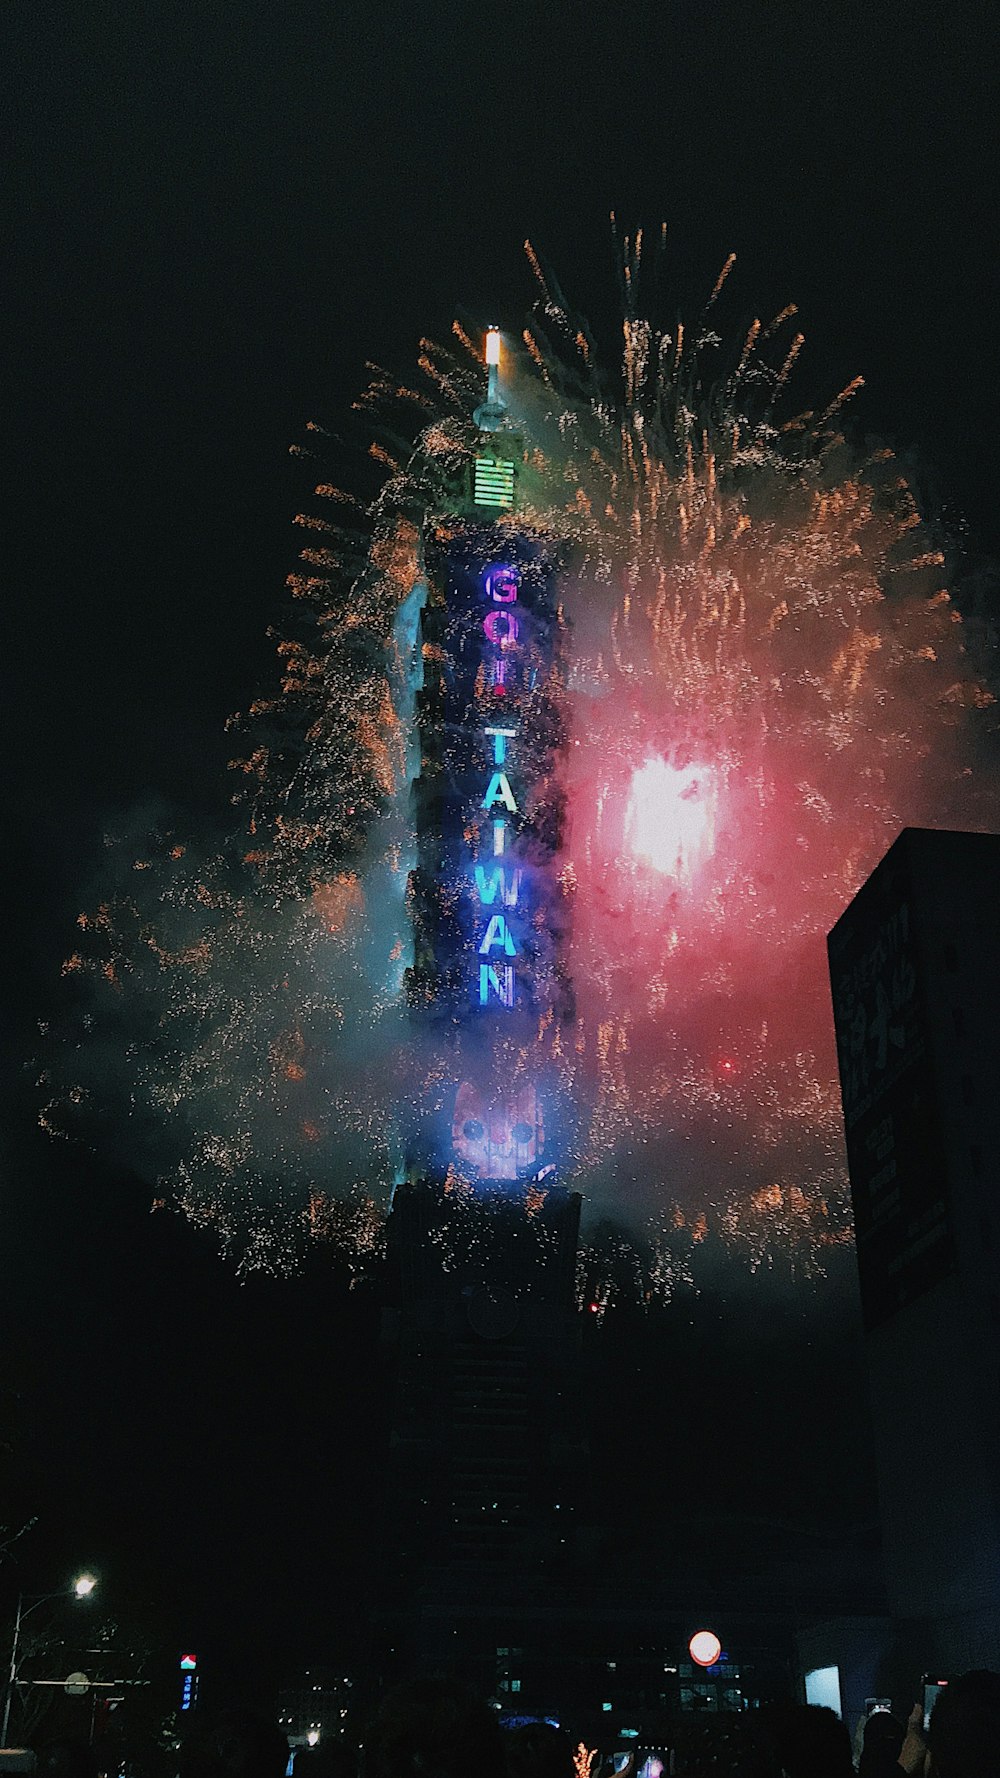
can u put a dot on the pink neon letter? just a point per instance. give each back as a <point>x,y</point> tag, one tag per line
<point>510,631</point>
<point>502,584</point>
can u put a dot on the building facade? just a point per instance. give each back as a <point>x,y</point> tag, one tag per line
<point>915,974</point>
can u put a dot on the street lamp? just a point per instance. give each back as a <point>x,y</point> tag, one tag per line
<point>82,1588</point>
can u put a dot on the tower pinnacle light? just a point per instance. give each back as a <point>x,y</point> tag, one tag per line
<point>490,415</point>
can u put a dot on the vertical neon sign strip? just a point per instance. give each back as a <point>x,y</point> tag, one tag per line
<point>501,628</point>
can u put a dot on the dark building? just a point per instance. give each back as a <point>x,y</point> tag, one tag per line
<point>915,973</point>
<point>487,1453</point>
<point>484,1450</point>
<point>320,1709</point>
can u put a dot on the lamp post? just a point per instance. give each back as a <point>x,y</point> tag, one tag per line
<point>82,1588</point>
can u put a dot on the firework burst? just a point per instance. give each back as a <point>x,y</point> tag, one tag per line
<point>760,678</point>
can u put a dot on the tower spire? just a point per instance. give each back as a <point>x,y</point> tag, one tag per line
<point>490,415</point>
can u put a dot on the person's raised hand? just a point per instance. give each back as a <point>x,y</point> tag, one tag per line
<point>913,1753</point>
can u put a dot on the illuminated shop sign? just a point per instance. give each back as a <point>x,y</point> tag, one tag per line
<point>189,1682</point>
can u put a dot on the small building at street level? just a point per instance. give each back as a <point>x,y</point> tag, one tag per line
<point>915,975</point>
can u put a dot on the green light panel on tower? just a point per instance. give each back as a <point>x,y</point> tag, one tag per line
<point>494,482</point>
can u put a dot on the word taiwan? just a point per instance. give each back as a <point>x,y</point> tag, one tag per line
<point>498,877</point>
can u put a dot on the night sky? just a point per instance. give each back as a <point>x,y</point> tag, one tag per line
<point>215,215</point>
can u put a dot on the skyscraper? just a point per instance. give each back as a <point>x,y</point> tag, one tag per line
<point>482,1237</point>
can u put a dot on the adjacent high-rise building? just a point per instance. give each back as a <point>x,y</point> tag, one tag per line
<point>915,973</point>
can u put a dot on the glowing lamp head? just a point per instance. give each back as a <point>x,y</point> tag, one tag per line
<point>705,1648</point>
<point>493,345</point>
<point>670,817</point>
<point>84,1585</point>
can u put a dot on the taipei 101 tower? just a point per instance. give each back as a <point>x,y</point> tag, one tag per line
<point>481,1324</point>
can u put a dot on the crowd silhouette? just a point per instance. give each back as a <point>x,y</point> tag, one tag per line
<point>437,1728</point>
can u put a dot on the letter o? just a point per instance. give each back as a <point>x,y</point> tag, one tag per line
<point>511,628</point>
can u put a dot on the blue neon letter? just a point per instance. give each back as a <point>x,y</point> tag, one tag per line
<point>500,792</point>
<point>499,981</point>
<point>498,933</point>
<point>500,738</point>
<point>488,888</point>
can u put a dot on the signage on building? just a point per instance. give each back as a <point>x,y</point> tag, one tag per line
<point>488,909</point>
<point>189,1682</point>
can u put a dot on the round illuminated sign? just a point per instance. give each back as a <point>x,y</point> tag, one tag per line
<point>705,1648</point>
